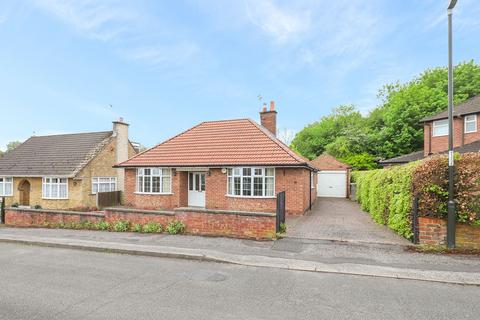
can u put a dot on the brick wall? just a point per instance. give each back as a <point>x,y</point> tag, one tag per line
<point>439,144</point>
<point>38,218</point>
<point>433,231</point>
<point>294,181</point>
<point>253,225</point>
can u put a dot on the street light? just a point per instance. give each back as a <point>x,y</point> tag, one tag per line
<point>451,220</point>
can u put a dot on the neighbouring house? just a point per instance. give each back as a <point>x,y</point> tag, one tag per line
<point>466,133</point>
<point>333,177</point>
<point>230,165</point>
<point>65,171</point>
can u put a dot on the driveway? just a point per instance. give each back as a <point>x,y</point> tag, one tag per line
<point>340,219</point>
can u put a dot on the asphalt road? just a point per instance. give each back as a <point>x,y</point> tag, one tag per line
<point>50,283</point>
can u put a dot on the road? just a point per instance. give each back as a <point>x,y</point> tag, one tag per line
<point>52,283</point>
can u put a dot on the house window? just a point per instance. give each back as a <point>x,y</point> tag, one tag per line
<point>55,188</point>
<point>154,180</point>
<point>251,182</point>
<point>104,184</point>
<point>440,128</point>
<point>471,123</point>
<point>6,187</point>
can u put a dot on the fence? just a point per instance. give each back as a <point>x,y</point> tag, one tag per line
<point>109,199</point>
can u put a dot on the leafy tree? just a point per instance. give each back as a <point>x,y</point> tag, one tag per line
<point>12,145</point>
<point>361,161</point>
<point>393,128</point>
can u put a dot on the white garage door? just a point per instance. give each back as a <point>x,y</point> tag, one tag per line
<point>332,184</point>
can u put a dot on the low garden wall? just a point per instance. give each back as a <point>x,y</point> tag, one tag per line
<point>236,224</point>
<point>433,231</point>
<point>24,217</point>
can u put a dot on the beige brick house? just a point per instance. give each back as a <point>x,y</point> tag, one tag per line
<point>65,171</point>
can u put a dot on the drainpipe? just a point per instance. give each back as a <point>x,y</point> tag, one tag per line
<point>310,191</point>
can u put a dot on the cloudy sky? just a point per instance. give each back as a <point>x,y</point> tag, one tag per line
<point>74,66</point>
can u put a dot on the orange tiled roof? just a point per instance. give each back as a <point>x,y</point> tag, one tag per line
<point>327,162</point>
<point>227,142</point>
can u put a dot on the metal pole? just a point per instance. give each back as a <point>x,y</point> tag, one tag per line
<point>451,165</point>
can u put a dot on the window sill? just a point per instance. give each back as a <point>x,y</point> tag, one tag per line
<point>54,198</point>
<point>440,135</point>
<point>250,197</point>
<point>6,196</point>
<point>154,193</point>
<point>470,132</point>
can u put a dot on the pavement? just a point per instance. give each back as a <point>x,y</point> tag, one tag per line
<point>39,283</point>
<point>320,256</point>
<point>343,220</point>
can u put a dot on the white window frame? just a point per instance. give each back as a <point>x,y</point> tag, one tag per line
<point>467,121</point>
<point>4,181</point>
<point>48,184</point>
<point>312,180</point>
<point>437,126</point>
<point>97,181</point>
<point>162,174</point>
<point>238,172</point>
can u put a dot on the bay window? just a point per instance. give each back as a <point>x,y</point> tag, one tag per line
<point>55,188</point>
<point>251,182</point>
<point>6,187</point>
<point>104,184</point>
<point>154,180</point>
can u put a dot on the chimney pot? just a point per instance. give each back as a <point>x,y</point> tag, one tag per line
<point>272,105</point>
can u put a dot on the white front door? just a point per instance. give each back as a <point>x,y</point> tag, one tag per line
<point>196,189</point>
<point>332,184</point>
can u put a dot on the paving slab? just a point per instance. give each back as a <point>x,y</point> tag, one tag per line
<point>342,220</point>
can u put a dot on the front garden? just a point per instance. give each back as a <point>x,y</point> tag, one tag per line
<point>387,194</point>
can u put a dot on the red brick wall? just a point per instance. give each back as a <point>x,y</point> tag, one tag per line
<point>433,231</point>
<point>205,222</point>
<point>439,144</point>
<point>39,218</point>
<point>294,181</point>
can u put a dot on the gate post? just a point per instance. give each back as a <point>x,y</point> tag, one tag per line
<point>280,210</point>
<point>415,230</point>
<point>2,211</point>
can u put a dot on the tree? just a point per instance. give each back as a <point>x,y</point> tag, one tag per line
<point>12,145</point>
<point>393,128</point>
<point>286,135</point>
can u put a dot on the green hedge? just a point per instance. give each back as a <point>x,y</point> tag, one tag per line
<point>387,195</point>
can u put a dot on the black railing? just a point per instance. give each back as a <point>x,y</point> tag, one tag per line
<point>280,209</point>
<point>2,210</point>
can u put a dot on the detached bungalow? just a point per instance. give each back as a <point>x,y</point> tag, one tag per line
<point>232,165</point>
<point>65,171</point>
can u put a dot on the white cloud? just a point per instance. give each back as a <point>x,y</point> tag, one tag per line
<point>281,24</point>
<point>164,55</point>
<point>102,20</point>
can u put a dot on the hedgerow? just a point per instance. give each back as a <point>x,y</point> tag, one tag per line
<point>387,194</point>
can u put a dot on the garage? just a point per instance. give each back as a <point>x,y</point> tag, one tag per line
<point>332,184</point>
<point>333,177</point>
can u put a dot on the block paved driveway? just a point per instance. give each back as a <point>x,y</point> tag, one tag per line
<point>343,220</point>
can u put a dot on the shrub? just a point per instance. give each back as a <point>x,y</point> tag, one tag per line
<point>152,227</point>
<point>283,227</point>
<point>137,227</point>
<point>102,225</point>
<point>175,227</point>
<point>387,195</point>
<point>121,226</point>
<point>89,225</point>
<point>15,205</point>
<point>37,206</point>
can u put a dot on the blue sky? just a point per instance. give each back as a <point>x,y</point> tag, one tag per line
<point>167,65</point>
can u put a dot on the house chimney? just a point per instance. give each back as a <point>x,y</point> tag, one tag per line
<point>120,132</point>
<point>268,118</point>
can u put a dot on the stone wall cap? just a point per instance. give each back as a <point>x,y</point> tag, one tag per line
<point>144,211</point>
<point>52,211</point>
<point>231,212</point>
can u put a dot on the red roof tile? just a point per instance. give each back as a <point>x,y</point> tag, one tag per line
<point>327,162</point>
<point>227,142</point>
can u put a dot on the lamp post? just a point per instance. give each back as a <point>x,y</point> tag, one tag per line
<point>451,169</point>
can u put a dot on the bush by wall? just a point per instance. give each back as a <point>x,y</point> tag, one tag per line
<point>430,183</point>
<point>387,195</point>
